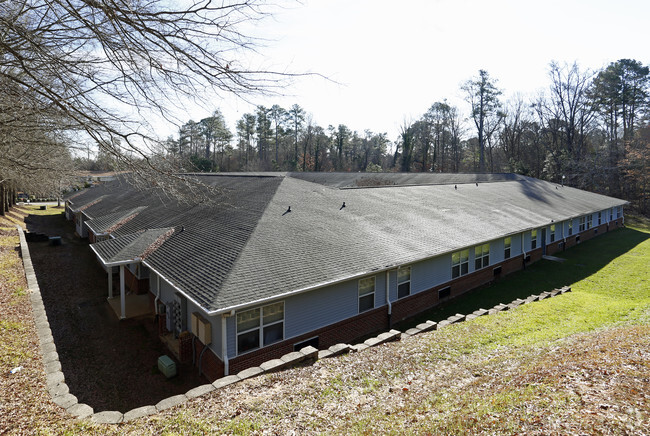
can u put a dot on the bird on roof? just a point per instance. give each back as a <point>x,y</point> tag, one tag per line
<point>455,186</point>
<point>288,210</point>
<point>342,206</point>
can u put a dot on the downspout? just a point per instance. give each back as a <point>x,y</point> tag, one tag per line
<point>390,306</point>
<point>157,299</point>
<point>224,341</point>
<point>205,348</point>
<point>523,250</point>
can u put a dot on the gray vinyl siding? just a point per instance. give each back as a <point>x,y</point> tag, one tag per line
<point>496,251</point>
<point>168,294</point>
<point>215,322</point>
<point>430,273</point>
<point>313,310</point>
<point>515,246</point>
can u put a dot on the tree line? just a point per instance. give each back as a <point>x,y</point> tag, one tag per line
<point>588,129</point>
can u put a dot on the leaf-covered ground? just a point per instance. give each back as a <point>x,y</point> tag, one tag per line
<point>578,363</point>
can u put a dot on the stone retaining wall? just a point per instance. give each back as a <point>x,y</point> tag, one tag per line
<point>60,393</point>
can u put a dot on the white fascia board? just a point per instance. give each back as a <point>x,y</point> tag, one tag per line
<point>111,264</point>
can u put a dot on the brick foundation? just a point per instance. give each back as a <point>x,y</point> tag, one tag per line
<point>185,347</point>
<point>162,324</point>
<point>135,285</point>
<point>211,366</point>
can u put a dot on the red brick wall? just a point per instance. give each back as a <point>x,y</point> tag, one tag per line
<point>137,286</point>
<point>421,301</point>
<point>211,366</point>
<point>590,233</point>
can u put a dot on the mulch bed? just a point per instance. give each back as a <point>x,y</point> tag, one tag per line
<point>108,364</point>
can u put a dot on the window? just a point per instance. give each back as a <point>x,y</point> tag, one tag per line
<point>570,227</point>
<point>262,325</point>
<point>459,263</point>
<point>366,294</point>
<point>533,239</point>
<point>590,221</point>
<point>403,282</point>
<point>619,211</point>
<point>507,243</point>
<point>600,218</point>
<point>581,227</point>
<point>481,256</point>
<point>611,214</point>
<point>552,232</point>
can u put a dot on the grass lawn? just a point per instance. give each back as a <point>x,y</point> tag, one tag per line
<point>578,363</point>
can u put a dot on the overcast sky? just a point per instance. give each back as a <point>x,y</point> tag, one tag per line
<point>393,59</point>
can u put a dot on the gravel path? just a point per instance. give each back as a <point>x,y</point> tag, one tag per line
<point>108,364</point>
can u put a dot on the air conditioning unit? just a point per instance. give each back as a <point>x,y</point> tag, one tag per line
<point>201,328</point>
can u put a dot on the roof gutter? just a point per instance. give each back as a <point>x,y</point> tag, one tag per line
<point>230,309</point>
<point>111,264</point>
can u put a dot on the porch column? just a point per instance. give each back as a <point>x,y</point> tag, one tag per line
<point>122,294</point>
<point>110,282</point>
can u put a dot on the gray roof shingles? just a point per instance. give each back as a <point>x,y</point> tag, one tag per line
<point>241,247</point>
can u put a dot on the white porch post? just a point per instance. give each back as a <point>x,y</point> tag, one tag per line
<point>122,294</point>
<point>110,282</point>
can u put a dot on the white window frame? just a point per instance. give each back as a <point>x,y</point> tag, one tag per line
<point>403,281</point>
<point>481,256</point>
<point>261,325</point>
<point>366,294</point>
<point>582,224</point>
<point>533,239</point>
<point>600,217</point>
<point>570,227</point>
<point>507,247</point>
<point>551,231</point>
<point>457,260</point>
<point>590,221</point>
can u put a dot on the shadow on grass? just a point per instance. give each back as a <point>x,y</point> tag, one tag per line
<point>582,261</point>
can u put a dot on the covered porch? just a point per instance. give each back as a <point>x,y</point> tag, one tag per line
<point>123,252</point>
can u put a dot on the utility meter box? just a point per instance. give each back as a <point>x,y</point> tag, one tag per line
<point>167,366</point>
<point>201,328</point>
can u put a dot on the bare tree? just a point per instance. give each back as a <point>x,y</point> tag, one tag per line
<point>483,95</point>
<point>565,116</point>
<point>85,63</point>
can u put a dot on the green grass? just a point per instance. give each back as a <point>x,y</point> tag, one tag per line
<point>582,270</point>
<point>515,372</point>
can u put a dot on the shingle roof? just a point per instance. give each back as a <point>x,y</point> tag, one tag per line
<point>129,247</point>
<point>242,246</point>
<point>105,223</point>
<point>362,180</point>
